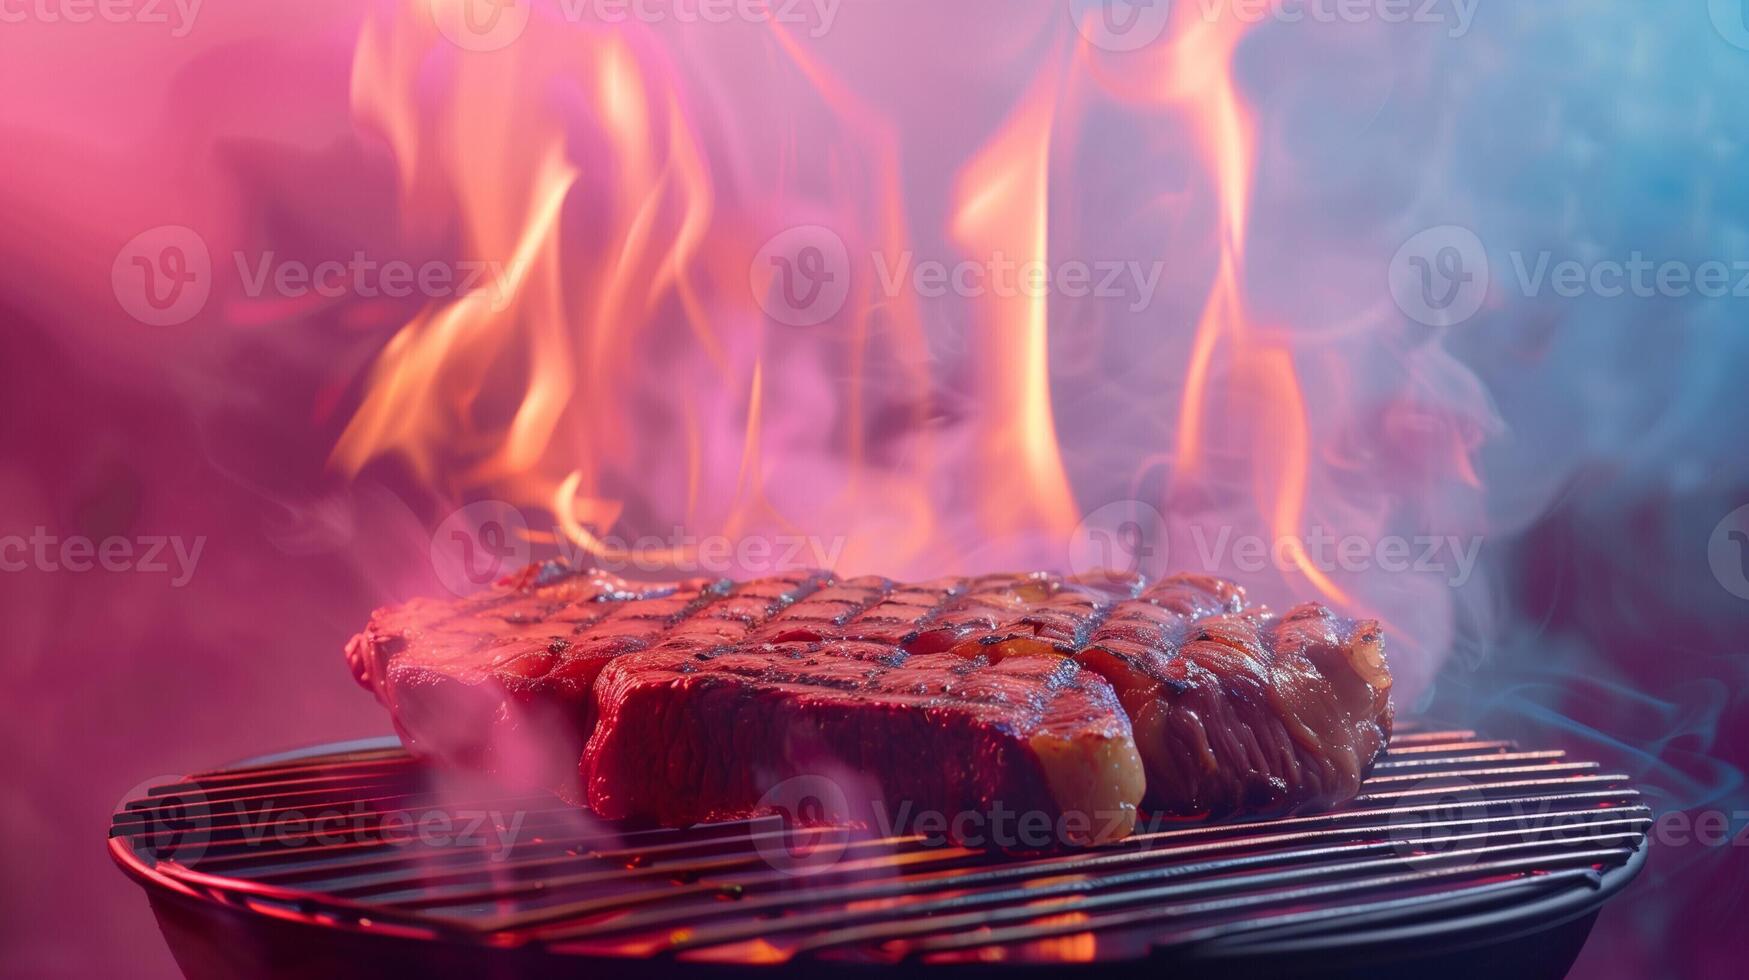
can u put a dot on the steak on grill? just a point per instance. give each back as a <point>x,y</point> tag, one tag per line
<point>699,700</point>
<point>1235,710</point>
<point>704,697</point>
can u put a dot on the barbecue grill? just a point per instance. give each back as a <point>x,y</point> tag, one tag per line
<point>1462,854</point>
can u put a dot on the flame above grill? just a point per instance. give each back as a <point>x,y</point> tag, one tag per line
<point>632,381</point>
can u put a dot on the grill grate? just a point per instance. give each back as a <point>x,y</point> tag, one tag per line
<point>368,840</point>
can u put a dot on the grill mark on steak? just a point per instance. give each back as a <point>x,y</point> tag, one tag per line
<point>1233,709</point>
<point>826,612</point>
<point>1102,611</point>
<point>738,614</point>
<point>933,732</point>
<point>851,616</point>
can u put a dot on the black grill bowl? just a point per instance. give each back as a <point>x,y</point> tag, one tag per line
<point>1462,857</point>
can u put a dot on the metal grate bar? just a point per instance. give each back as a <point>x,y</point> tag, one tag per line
<point>1113,867</point>
<point>1447,817</point>
<point>1286,900</point>
<point>1020,903</point>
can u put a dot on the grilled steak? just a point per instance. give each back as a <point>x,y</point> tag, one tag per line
<point>1029,693</point>
<point>702,697</point>
<point>1235,710</point>
<point>503,681</point>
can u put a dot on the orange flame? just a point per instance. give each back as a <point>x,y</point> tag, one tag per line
<point>1194,74</point>
<point>628,375</point>
<point>1004,196</point>
<point>499,160</point>
<point>571,331</point>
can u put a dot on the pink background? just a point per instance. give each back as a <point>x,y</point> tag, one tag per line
<point>1620,446</point>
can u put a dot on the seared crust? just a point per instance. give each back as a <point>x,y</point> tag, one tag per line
<point>1235,710</point>
<point>690,701</point>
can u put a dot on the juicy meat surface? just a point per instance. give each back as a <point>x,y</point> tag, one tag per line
<point>1235,710</point>
<point>1031,693</point>
<point>695,701</point>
